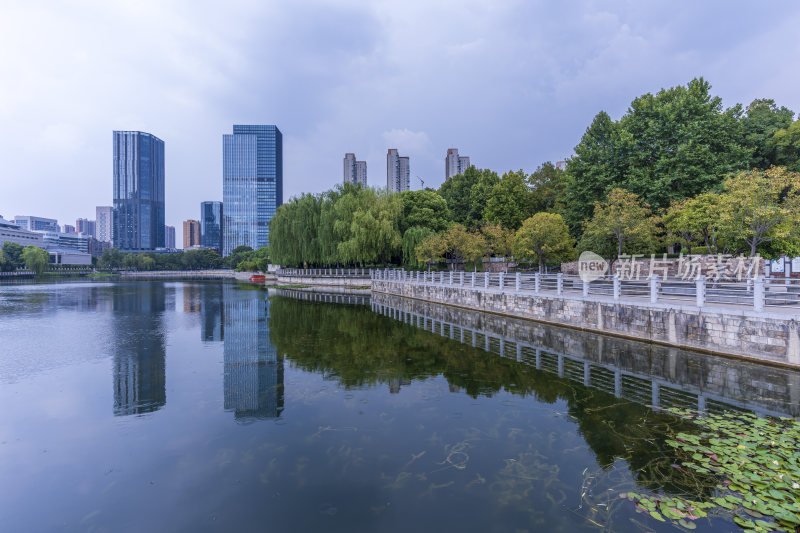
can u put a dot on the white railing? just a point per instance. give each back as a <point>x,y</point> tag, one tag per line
<point>325,272</point>
<point>758,294</point>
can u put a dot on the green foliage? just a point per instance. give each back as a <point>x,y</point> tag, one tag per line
<point>424,209</point>
<point>35,259</point>
<point>13,255</point>
<point>499,240</point>
<point>509,201</point>
<point>112,258</point>
<point>431,249</point>
<point>787,146</point>
<point>466,195</point>
<point>625,221</point>
<point>548,188</point>
<point>747,465</point>
<point>412,238</point>
<point>370,227</point>
<point>760,206</point>
<point>544,238</point>
<point>696,220</point>
<point>761,122</point>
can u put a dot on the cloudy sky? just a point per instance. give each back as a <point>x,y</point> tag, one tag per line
<point>510,83</point>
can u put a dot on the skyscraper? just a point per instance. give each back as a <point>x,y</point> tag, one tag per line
<point>138,191</point>
<point>252,184</point>
<point>454,164</point>
<point>104,219</point>
<point>397,172</point>
<point>211,225</point>
<point>169,237</point>
<point>355,171</point>
<point>191,233</point>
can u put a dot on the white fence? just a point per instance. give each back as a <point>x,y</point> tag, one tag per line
<point>758,293</point>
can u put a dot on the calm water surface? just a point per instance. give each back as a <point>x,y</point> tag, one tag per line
<point>206,407</point>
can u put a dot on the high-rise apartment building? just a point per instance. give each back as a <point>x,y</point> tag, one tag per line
<point>191,233</point>
<point>104,220</point>
<point>138,191</point>
<point>69,229</point>
<point>355,172</point>
<point>37,223</point>
<point>454,164</point>
<point>398,177</point>
<point>85,226</point>
<point>252,184</point>
<point>211,225</point>
<point>169,237</point>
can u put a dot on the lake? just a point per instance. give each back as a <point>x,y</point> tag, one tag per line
<point>206,406</point>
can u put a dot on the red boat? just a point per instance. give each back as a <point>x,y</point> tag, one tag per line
<point>258,278</point>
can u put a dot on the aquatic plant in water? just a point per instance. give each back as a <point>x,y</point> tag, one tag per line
<point>748,466</point>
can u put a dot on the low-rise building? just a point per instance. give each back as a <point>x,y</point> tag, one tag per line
<point>11,232</point>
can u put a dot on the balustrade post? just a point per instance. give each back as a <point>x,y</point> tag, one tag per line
<point>486,280</point>
<point>537,282</point>
<point>501,282</point>
<point>472,284</point>
<point>451,277</point>
<point>516,282</point>
<point>617,287</point>
<point>759,293</point>
<point>700,290</point>
<point>461,279</point>
<point>585,287</point>
<point>560,284</point>
<point>654,284</point>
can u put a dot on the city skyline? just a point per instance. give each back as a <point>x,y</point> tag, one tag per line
<point>524,97</point>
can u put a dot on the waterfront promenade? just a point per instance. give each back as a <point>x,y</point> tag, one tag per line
<point>757,320</point>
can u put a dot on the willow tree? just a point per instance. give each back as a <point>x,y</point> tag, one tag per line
<point>412,238</point>
<point>373,231</point>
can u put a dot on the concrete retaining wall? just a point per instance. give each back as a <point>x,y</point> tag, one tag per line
<point>324,281</point>
<point>765,336</point>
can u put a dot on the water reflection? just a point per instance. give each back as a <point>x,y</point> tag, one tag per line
<point>139,354</point>
<point>253,371</point>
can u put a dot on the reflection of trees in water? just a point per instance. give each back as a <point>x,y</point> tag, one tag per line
<point>139,349</point>
<point>357,348</point>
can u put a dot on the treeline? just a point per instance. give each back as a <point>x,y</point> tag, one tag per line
<point>677,172</point>
<point>14,256</point>
<point>242,258</point>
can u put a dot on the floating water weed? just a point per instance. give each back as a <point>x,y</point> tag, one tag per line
<point>749,465</point>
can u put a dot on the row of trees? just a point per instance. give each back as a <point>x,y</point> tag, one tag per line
<point>14,256</point>
<point>676,171</point>
<point>242,258</point>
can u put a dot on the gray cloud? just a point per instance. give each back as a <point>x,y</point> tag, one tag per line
<point>511,84</point>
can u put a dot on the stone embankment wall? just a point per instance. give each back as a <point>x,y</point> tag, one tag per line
<point>762,336</point>
<point>324,281</point>
<point>759,386</point>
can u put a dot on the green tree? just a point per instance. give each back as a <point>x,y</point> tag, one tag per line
<point>597,164</point>
<point>13,254</point>
<point>696,220</point>
<point>548,188</point>
<point>509,201</point>
<point>461,244</point>
<point>499,241</point>
<point>5,266</point>
<point>625,220</point>
<point>758,207</point>
<point>466,195</point>
<point>412,238</point>
<point>425,209</point>
<point>374,231</point>
<point>543,238</point>
<point>239,254</point>
<point>761,121</point>
<point>431,249</point>
<point>787,146</point>
<point>35,259</point>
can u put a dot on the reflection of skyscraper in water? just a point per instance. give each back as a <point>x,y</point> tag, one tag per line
<point>211,327</point>
<point>139,349</point>
<point>253,371</point>
<point>191,298</point>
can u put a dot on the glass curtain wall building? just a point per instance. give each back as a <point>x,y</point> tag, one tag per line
<point>138,191</point>
<point>252,184</point>
<point>211,222</point>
